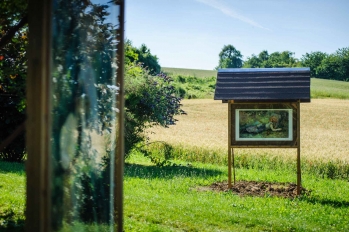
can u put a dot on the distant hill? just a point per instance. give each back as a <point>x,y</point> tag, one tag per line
<point>320,88</point>
<point>189,72</point>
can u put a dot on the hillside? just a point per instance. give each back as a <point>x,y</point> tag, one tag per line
<point>189,72</point>
<point>320,88</point>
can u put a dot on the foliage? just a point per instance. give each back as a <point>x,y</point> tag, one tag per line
<point>143,56</point>
<point>335,66</point>
<point>149,101</point>
<point>229,57</point>
<point>273,60</point>
<point>313,61</point>
<point>84,87</point>
<point>190,87</point>
<point>13,60</point>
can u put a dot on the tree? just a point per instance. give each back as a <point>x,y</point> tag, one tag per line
<point>143,56</point>
<point>274,60</point>
<point>283,59</point>
<point>263,55</point>
<point>13,44</point>
<point>313,61</point>
<point>253,62</point>
<point>148,60</point>
<point>335,66</point>
<point>230,57</point>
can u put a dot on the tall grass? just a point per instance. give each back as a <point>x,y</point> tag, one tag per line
<point>321,88</point>
<point>333,169</point>
<point>190,87</point>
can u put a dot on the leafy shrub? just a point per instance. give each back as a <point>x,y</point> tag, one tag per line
<point>149,101</point>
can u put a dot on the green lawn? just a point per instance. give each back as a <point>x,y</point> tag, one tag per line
<point>12,195</point>
<point>167,199</point>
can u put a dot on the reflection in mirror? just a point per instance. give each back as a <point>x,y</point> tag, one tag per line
<point>85,87</point>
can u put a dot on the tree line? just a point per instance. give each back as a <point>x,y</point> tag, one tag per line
<point>333,66</point>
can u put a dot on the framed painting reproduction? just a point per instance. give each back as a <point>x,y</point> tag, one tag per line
<point>264,124</point>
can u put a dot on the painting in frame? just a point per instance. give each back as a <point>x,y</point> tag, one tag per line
<point>264,124</point>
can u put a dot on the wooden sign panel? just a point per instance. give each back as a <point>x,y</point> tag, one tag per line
<point>264,124</point>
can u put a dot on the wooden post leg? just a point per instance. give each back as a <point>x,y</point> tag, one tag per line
<point>229,168</point>
<point>299,174</point>
<point>232,152</point>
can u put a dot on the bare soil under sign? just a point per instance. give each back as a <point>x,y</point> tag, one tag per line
<point>254,188</point>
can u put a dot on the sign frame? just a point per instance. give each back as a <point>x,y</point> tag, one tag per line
<point>289,142</point>
<point>233,143</point>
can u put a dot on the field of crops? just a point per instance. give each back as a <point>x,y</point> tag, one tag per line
<point>324,129</point>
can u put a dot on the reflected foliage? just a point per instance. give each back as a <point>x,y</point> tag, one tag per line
<point>85,42</point>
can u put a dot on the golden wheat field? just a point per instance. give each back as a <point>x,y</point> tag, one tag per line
<point>324,129</point>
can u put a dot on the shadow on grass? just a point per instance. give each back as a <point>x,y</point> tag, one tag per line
<point>11,167</point>
<point>9,222</point>
<point>328,202</point>
<point>167,172</point>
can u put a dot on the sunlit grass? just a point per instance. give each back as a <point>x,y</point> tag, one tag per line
<point>321,88</point>
<point>166,199</point>
<point>189,72</point>
<point>12,195</point>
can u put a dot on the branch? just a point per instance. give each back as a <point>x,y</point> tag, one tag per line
<point>10,33</point>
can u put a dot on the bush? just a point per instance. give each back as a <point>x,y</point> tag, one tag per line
<point>149,101</point>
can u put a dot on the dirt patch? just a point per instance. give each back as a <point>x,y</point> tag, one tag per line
<point>254,188</point>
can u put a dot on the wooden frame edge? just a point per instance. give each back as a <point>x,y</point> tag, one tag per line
<point>38,201</point>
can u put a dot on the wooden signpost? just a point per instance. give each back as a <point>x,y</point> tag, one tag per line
<point>263,109</point>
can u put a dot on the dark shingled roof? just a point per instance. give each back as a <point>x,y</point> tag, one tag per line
<point>263,84</point>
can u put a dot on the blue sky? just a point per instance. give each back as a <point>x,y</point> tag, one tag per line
<point>191,33</point>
